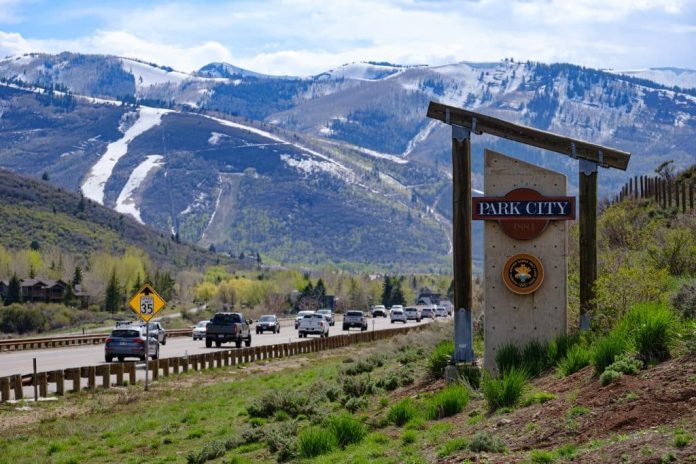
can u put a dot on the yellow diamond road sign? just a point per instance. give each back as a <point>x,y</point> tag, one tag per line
<point>146,303</point>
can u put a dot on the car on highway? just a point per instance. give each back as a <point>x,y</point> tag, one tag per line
<point>228,327</point>
<point>130,342</point>
<point>379,311</point>
<point>198,330</point>
<point>428,312</point>
<point>299,317</point>
<point>412,314</point>
<point>354,319</point>
<point>268,323</point>
<point>315,324</point>
<point>440,311</point>
<point>397,315</point>
<point>329,315</point>
<point>158,330</point>
<point>401,307</point>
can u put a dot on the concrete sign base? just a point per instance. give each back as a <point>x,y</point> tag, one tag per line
<point>512,317</point>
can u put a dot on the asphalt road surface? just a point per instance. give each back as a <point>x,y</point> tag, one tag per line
<point>47,359</point>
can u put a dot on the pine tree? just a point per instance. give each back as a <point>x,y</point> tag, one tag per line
<point>77,276</point>
<point>14,291</point>
<point>69,297</point>
<point>320,293</point>
<point>397,297</point>
<point>112,300</point>
<point>387,289</point>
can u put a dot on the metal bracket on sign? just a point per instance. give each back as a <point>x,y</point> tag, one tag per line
<point>460,133</point>
<point>573,154</point>
<point>587,167</point>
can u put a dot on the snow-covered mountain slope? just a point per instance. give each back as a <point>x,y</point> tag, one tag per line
<point>363,71</point>
<point>670,77</point>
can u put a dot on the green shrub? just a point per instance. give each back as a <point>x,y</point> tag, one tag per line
<point>280,438</point>
<point>409,437</point>
<point>210,451</point>
<point>684,301</point>
<point>357,386</point>
<point>471,375</point>
<point>485,442</point>
<point>355,404</point>
<point>314,441</point>
<point>402,412</point>
<point>558,348</point>
<point>440,358</point>
<point>504,391</point>
<point>652,326</point>
<point>626,364</point>
<point>534,358</point>
<point>538,398</point>
<point>607,348</point>
<point>293,402</point>
<point>575,359</point>
<point>542,456</point>
<point>608,376</point>
<point>347,429</point>
<point>447,402</point>
<point>681,440</point>
<point>451,446</point>
<point>508,357</point>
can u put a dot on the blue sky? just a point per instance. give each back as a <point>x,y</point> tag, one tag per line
<point>302,37</point>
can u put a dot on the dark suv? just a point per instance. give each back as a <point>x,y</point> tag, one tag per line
<point>268,323</point>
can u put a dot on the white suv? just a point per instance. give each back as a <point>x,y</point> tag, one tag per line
<point>379,310</point>
<point>398,315</point>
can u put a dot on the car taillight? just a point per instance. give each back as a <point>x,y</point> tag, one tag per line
<point>139,341</point>
<point>109,340</point>
<point>235,328</point>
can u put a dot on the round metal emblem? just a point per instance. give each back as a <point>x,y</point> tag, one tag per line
<point>523,274</point>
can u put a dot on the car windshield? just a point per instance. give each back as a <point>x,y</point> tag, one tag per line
<point>396,311</point>
<point>153,326</point>
<point>354,313</point>
<point>124,333</point>
<point>266,318</point>
<point>226,318</point>
<point>324,311</point>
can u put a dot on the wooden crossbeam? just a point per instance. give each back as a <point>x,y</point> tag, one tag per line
<point>604,156</point>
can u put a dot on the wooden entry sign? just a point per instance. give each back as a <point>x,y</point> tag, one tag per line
<point>523,213</point>
<point>525,278</point>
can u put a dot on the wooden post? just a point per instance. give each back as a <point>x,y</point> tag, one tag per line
<point>165,366</point>
<point>105,373</point>
<point>118,370</point>
<point>669,194</point>
<point>461,253</point>
<point>59,377</point>
<point>91,378</point>
<point>43,384</point>
<point>588,239</point>
<point>17,386</point>
<point>664,193</point>
<point>175,365</point>
<point>132,379</point>
<point>4,389</point>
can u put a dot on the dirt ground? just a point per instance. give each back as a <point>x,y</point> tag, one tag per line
<point>631,420</point>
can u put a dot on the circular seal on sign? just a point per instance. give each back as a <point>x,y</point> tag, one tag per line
<point>523,274</point>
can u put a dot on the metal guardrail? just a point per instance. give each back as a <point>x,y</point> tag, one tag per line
<point>12,387</point>
<point>16,344</point>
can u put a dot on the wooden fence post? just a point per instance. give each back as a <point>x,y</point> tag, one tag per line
<point>165,366</point>
<point>118,370</point>
<point>17,386</point>
<point>59,376</point>
<point>91,378</point>
<point>131,373</point>
<point>4,389</point>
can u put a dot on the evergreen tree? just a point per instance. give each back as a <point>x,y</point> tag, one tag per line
<point>69,297</point>
<point>77,276</point>
<point>113,294</point>
<point>397,295</point>
<point>387,289</point>
<point>320,293</point>
<point>14,291</point>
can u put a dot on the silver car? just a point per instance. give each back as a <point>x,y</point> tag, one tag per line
<point>158,330</point>
<point>412,314</point>
<point>328,314</point>
<point>397,315</point>
<point>130,342</point>
<point>198,331</point>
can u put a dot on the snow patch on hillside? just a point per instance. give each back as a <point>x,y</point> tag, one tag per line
<point>215,137</point>
<point>93,187</point>
<point>311,166</point>
<point>363,72</point>
<point>670,77</point>
<point>126,202</point>
<point>147,75</point>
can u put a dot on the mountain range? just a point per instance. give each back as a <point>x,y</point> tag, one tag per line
<point>339,168</point>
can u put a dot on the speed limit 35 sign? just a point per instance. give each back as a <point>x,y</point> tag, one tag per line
<point>146,303</point>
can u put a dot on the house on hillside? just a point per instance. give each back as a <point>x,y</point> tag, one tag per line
<point>39,290</point>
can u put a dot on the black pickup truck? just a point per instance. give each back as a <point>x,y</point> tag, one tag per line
<point>228,327</point>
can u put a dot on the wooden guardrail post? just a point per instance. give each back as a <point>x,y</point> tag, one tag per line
<point>164,364</point>
<point>42,378</point>
<point>185,364</point>
<point>174,363</point>
<point>130,368</point>
<point>154,367</point>
<point>117,369</point>
<point>91,378</point>
<point>104,371</point>
<point>4,389</point>
<point>17,386</point>
<point>226,358</point>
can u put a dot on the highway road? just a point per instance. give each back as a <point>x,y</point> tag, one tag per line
<point>20,362</point>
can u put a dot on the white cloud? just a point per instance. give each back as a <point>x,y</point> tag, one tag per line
<point>303,37</point>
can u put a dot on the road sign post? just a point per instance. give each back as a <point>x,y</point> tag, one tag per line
<point>145,304</point>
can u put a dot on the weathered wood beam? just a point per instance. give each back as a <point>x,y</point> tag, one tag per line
<point>604,156</point>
